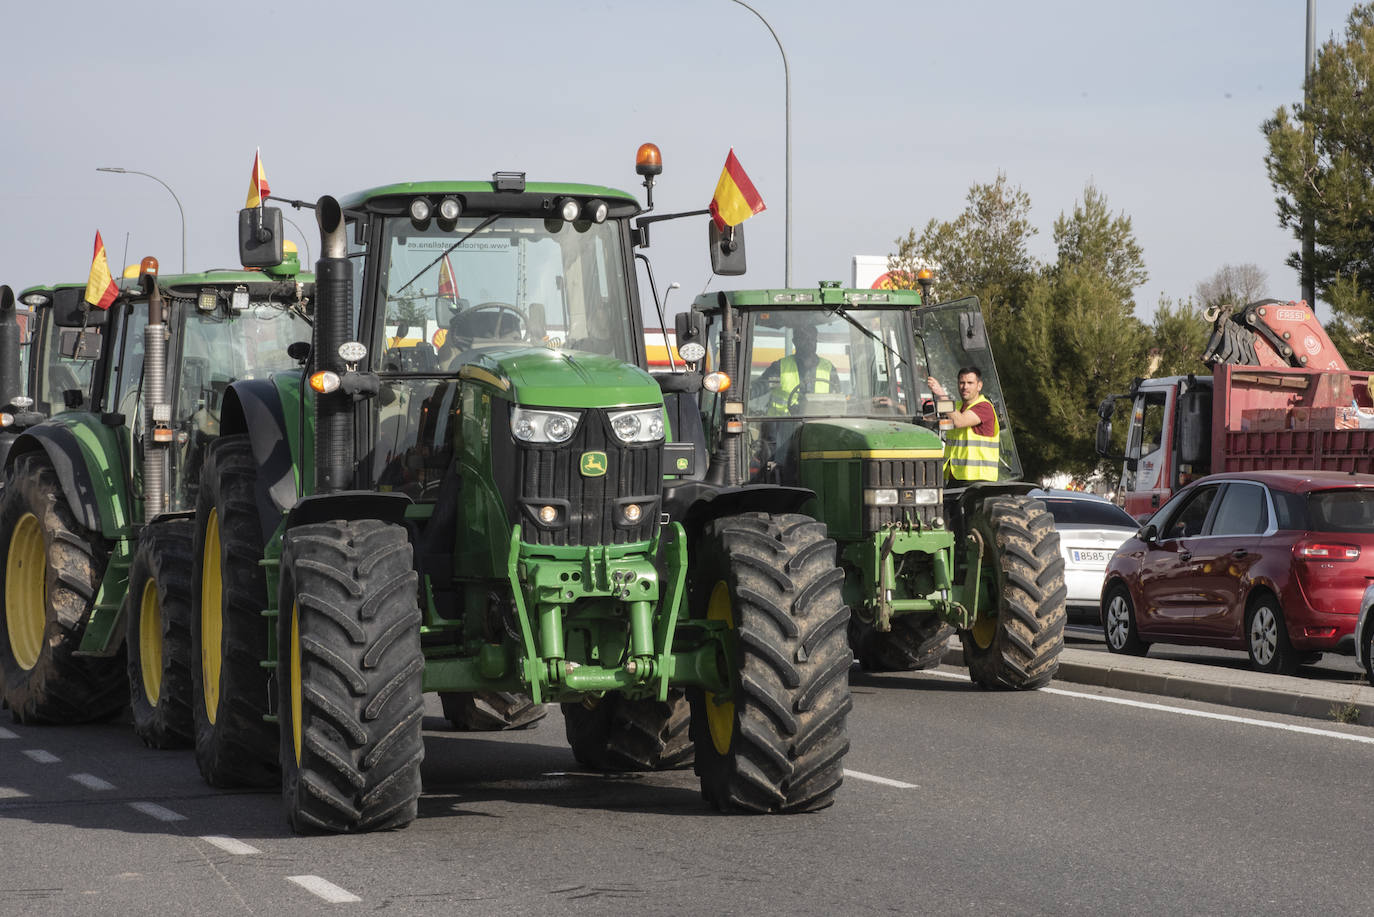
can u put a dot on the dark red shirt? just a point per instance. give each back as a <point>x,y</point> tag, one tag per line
<point>987,418</point>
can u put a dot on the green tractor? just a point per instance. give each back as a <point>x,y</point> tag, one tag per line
<point>95,518</point>
<point>862,433</point>
<point>463,492</point>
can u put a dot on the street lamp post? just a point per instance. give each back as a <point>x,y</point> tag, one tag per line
<point>169,191</point>
<point>787,146</point>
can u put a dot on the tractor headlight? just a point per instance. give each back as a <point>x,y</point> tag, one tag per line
<point>886,496</point>
<point>928,496</point>
<point>542,426</point>
<point>642,426</point>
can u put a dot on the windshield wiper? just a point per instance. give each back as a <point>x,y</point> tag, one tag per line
<point>839,310</point>
<point>445,253</point>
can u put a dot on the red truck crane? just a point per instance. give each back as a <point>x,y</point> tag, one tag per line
<point>1279,396</point>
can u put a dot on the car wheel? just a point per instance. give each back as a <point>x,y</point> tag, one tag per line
<point>1118,625</point>
<point>1368,638</point>
<point>1267,638</point>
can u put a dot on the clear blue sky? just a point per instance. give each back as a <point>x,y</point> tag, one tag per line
<point>897,108</point>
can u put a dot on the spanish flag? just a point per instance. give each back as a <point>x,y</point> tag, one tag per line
<point>257,184</point>
<point>100,287</point>
<point>448,285</point>
<point>735,199</point>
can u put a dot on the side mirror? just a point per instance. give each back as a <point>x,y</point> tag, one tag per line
<point>1104,439</point>
<point>537,328</point>
<point>1149,533</point>
<point>727,249</point>
<point>69,309</point>
<point>1195,427</point>
<point>75,344</point>
<point>260,237</point>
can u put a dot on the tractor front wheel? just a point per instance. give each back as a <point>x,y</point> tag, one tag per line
<point>350,678</point>
<point>157,635</point>
<point>916,641</point>
<point>1018,635</point>
<point>776,740</point>
<point>53,568</point>
<point>490,711</point>
<point>614,733</point>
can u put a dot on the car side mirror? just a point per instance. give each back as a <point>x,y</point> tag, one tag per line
<point>1149,533</point>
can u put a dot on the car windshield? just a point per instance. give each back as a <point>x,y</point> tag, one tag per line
<point>1341,510</point>
<point>513,281</point>
<point>1089,513</point>
<point>812,363</point>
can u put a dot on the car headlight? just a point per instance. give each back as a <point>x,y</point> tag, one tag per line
<point>642,426</point>
<point>542,426</point>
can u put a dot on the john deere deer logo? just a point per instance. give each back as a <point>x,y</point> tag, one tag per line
<point>593,464</point>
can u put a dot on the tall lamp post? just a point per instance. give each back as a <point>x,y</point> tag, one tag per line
<point>169,191</point>
<point>1309,232</point>
<point>787,146</point>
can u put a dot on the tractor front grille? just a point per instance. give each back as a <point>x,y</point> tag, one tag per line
<point>591,507</point>
<point>906,476</point>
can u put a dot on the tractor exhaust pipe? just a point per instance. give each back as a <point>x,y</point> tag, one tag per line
<point>334,415</point>
<point>156,410</point>
<point>11,382</point>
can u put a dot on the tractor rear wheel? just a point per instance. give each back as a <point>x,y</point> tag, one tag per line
<point>775,742</point>
<point>235,744</point>
<point>350,677</point>
<point>53,568</point>
<point>615,733</point>
<point>1018,636</point>
<point>157,635</point>
<point>490,711</point>
<point>916,641</point>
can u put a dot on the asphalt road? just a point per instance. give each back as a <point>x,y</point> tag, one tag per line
<point>1064,801</point>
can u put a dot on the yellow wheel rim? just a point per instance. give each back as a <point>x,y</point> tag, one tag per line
<point>211,622</point>
<point>150,642</point>
<point>720,717</point>
<point>26,591</point>
<point>295,676</point>
<point>984,629</point>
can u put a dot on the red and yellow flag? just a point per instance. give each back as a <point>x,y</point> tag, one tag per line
<point>257,184</point>
<point>100,287</point>
<point>448,285</point>
<point>735,199</point>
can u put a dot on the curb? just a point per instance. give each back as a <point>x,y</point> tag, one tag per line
<point>1336,702</point>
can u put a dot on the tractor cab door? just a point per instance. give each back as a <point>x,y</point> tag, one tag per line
<point>953,336</point>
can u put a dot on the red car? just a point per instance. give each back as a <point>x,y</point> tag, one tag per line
<point>1272,562</point>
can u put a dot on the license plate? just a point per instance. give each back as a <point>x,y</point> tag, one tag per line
<point>1087,556</point>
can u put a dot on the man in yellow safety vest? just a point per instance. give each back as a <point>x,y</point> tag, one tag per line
<point>802,369</point>
<point>971,448</point>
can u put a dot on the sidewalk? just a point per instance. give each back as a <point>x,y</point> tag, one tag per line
<point>1351,702</point>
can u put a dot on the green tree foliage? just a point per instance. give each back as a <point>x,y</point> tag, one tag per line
<point>1321,164</point>
<point>985,251</point>
<point>1178,336</point>
<point>1094,240</point>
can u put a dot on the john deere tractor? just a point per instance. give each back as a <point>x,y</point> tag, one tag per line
<point>462,491</point>
<point>826,389</point>
<point>95,515</point>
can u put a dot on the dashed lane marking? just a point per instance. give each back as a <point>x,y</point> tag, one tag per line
<point>92,782</point>
<point>9,792</point>
<point>41,756</point>
<point>323,889</point>
<point>161,813</point>
<point>1184,711</point>
<point>230,845</point>
<point>6,734</point>
<point>885,781</point>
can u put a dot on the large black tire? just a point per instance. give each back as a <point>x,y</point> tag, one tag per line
<point>777,742</point>
<point>916,641</point>
<point>53,569</point>
<point>350,678</point>
<point>491,711</point>
<point>614,733</point>
<point>1019,646</point>
<point>157,635</point>
<point>235,744</point>
<point>1266,637</point>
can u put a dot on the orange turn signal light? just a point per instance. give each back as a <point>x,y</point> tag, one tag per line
<point>324,382</point>
<point>715,382</point>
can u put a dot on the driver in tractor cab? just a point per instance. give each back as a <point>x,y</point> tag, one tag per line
<point>815,375</point>
<point>971,448</point>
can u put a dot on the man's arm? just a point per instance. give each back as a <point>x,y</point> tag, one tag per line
<point>980,415</point>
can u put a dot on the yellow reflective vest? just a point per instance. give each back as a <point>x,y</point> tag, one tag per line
<point>789,378</point>
<point>968,456</point>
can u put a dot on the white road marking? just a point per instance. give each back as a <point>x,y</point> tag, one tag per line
<point>9,792</point>
<point>885,781</point>
<point>161,813</point>
<point>6,734</point>
<point>91,782</point>
<point>229,845</point>
<point>326,890</point>
<point>41,756</point>
<point>1184,711</point>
